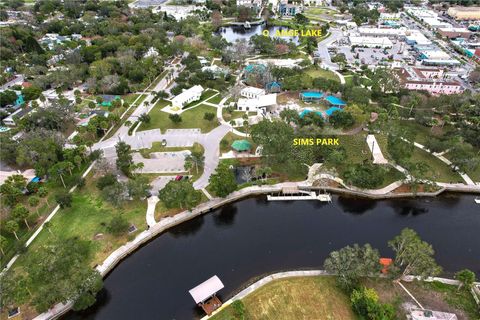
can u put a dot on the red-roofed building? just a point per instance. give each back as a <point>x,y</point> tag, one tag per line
<point>26,84</point>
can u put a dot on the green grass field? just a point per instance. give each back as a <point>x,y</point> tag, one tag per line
<point>439,171</point>
<point>295,298</point>
<point>88,216</point>
<point>192,118</point>
<point>320,73</point>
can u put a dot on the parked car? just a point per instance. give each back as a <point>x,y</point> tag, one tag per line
<point>178,178</point>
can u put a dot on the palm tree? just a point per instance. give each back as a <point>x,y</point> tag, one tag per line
<point>58,170</point>
<point>197,159</point>
<point>20,212</point>
<point>68,166</point>
<point>43,193</point>
<point>3,244</point>
<point>12,227</point>
<point>33,202</point>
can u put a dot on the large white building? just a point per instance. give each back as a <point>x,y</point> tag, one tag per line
<point>187,96</point>
<point>371,42</point>
<point>382,32</point>
<point>415,37</point>
<point>252,92</point>
<point>255,104</point>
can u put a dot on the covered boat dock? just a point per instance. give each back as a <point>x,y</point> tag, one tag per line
<point>205,294</point>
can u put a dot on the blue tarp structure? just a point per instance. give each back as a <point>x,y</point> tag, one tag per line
<point>330,111</point>
<point>335,101</point>
<point>307,111</point>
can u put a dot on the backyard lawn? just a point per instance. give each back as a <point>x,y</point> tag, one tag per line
<point>192,118</point>
<point>295,298</point>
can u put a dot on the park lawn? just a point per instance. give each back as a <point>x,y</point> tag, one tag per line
<point>227,116</point>
<point>320,73</point>
<point>226,142</point>
<point>473,174</point>
<point>192,118</point>
<point>440,171</point>
<point>157,147</point>
<point>295,298</point>
<point>88,216</point>
<point>216,99</point>
<point>421,132</point>
<point>34,219</point>
<point>207,94</point>
<point>356,148</point>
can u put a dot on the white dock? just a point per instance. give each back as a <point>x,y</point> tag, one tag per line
<point>306,196</point>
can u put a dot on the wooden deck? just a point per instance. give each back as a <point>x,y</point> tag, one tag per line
<point>211,305</point>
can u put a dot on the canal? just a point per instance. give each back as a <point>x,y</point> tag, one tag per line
<point>254,237</point>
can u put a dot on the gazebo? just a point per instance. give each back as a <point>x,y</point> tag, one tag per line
<point>241,145</point>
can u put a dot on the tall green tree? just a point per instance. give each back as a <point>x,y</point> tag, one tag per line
<point>466,277</point>
<point>124,158</point>
<point>196,158</point>
<point>180,194</point>
<point>276,139</point>
<point>351,263</point>
<point>12,227</point>
<point>223,182</point>
<point>21,213</point>
<point>413,256</point>
<point>62,273</point>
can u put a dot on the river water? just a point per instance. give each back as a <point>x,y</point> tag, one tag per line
<point>254,237</point>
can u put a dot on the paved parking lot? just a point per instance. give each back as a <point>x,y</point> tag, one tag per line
<point>372,56</point>
<point>162,162</point>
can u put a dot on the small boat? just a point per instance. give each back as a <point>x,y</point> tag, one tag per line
<point>477,200</point>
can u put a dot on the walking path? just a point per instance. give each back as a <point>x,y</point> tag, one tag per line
<point>223,122</point>
<point>378,157</point>
<point>152,202</point>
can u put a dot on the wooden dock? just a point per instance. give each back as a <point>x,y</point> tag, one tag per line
<point>303,195</point>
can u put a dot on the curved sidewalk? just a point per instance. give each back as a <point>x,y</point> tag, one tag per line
<point>222,121</point>
<point>151,204</point>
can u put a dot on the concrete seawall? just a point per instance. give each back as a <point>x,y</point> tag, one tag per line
<point>166,223</point>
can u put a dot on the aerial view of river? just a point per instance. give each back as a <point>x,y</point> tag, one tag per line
<point>234,33</point>
<point>253,237</point>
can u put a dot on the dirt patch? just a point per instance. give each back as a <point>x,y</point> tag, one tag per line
<point>434,300</point>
